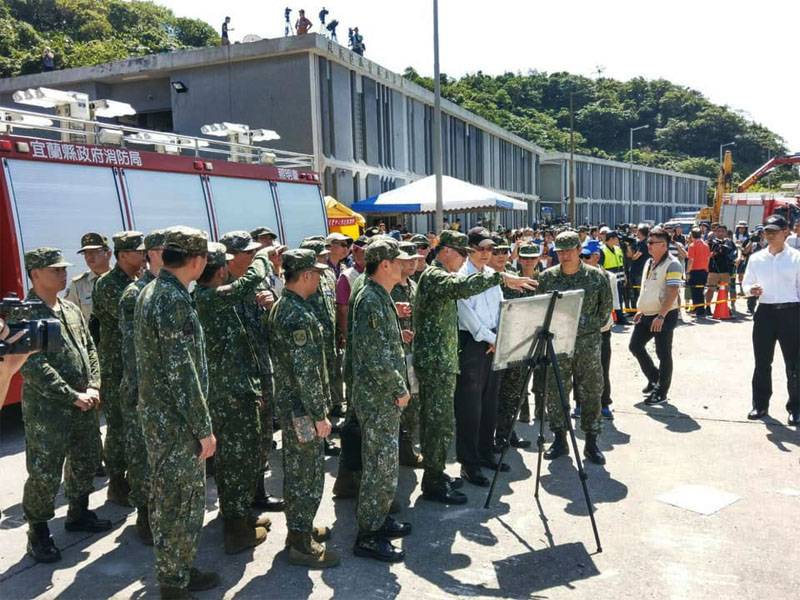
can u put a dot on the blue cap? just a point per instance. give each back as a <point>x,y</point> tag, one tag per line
<point>591,247</point>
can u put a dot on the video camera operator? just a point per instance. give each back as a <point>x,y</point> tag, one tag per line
<point>723,257</point>
<point>9,364</point>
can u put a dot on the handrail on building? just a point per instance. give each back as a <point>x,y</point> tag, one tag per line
<point>111,134</point>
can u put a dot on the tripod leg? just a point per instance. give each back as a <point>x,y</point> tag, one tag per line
<point>540,439</point>
<point>581,472</point>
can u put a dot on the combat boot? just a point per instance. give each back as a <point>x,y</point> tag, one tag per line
<point>80,518</point>
<point>347,483</point>
<point>240,535</point>
<point>591,451</point>
<point>559,446</point>
<point>169,592</point>
<point>40,544</point>
<point>118,490</point>
<point>318,534</point>
<point>408,456</point>
<point>305,552</point>
<point>200,581</point>
<point>143,526</point>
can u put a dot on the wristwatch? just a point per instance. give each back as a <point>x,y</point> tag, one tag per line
<point>660,317</point>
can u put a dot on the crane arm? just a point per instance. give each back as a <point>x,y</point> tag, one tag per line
<point>768,166</point>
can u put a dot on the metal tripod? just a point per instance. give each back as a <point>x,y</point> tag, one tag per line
<point>543,354</point>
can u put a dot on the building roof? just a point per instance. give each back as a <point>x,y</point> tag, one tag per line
<point>557,157</point>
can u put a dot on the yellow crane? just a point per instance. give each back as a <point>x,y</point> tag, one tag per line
<point>724,185</point>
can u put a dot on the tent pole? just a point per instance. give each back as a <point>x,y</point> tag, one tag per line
<point>437,120</point>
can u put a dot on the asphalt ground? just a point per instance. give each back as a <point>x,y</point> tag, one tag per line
<point>520,547</point>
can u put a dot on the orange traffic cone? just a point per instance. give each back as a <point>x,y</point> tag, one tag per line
<point>721,310</point>
<point>613,315</point>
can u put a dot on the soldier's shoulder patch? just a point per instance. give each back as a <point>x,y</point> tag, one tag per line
<point>300,337</point>
<point>188,327</point>
<point>373,320</point>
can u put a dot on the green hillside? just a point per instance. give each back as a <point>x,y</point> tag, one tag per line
<point>685,128</point>
<point>90,32</point>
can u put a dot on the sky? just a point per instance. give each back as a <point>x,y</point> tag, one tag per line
<point>727,50</point>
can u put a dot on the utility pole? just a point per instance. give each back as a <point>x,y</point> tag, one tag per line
<point>571,161</point>
<point>630,169</point>
<point>437,121</point>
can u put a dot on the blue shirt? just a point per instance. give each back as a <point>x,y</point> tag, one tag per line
<point>480,314</point>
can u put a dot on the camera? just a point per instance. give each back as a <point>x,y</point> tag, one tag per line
<point>287,12</point>
<point>27,335</point>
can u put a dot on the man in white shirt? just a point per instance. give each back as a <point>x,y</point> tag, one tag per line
<point>773,276</point>
<point>794,239</point>
<point>477,386</point>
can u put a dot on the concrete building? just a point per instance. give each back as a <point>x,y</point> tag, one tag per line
<point>611,192</point>
<point>369,129</point>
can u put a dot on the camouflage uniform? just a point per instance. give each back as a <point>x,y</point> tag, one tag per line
<point>135,448</point>
<point>379,379</point>
<point>410,419</point>
<point>234,384</point>
<point>55,429</point>
<point>173,386</point>
<point>436,352</point>
<point>597,305</point>
<point>298,350</point>
<point>105,301</point>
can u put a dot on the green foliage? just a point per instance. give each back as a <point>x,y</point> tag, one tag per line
<point>684,130</point>
<point>90,32</point>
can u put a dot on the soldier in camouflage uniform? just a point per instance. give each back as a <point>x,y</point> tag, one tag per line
<point>173,387</point>
<point>572,274</point>
<point>513,376</point>
<point>423,245</point>
<point>404,292</point>
<point>135,449</point>
<point>380,392</point>
<point>234,393</point>
<point>324,303</point>
<point>298,350</point>
<point>128,250</point>
<point>253,309</point>
<point>436,353</point>
<point>59,397</point>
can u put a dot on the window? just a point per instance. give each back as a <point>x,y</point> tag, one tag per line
<point>243,204</point>
<point>302,212</point>
<point>55,204</point>
<point>166,199</point>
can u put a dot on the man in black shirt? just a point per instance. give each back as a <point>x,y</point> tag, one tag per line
<point>723,255</point>
<point>638,255</point>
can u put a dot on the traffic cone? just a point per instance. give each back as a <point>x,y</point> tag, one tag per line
<point>614,316</point>
<point>721,310</point>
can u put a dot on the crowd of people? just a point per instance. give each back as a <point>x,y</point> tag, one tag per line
<point>197,350</point>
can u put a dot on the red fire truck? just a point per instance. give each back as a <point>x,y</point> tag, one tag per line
<point>53,189</point>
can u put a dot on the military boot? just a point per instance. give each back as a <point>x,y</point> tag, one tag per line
<point>559,446</point>
<point>200,581</point>
<point>80,518</point>
<point>240,535</point>
<point>408,456</point>
<point>318,534</point>
<point>591,450</point>
<point>347,483</point>
<point>306,552</point>
<point>118,490</point>
<point>40,544</point>
<point>143,526</point>
<point>169,592</point>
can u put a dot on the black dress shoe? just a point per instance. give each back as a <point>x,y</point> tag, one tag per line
<point>655,397</point>
<point>474,475</point>
<point>374,545</point>
<point>455,483</point>
<point>392,528</point>
<point>444,494</point>
<point>488,463</point>
<point>519,442</point>
<point>331,450</point>
<point>651,385</point>
<point>794,419</point>
<point>269,503</point>
<point>757,413</point>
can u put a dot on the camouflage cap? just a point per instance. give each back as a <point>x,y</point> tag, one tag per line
<point>454,239</point>
<point>409,248</point>
<point>186,239</point>
<point>420,239</point>
<point>239,241</point>
<point>43,258</point>
<point>318,246</point>
<point>154,240</point>
<point>385,249</point>
<point>128,240</point>
<point>93,241</point>
<point>500,243</point>
<point>301,259</point>
<point>218,255</point>
<point>567,240</point>
<point>530,251</point>
<point>259,231</point>
<point>361,242</point>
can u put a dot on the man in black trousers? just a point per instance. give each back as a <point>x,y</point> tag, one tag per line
<point>773,276</point>
<point>477,386</point>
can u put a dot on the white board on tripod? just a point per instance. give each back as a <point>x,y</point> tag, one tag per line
<point>521,320</point>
